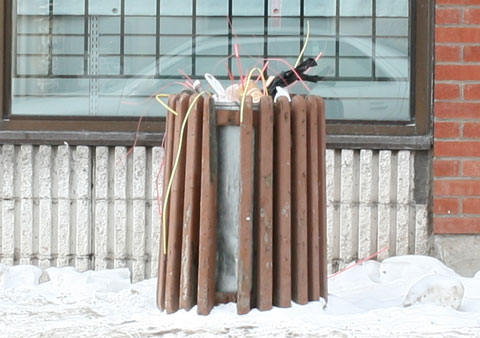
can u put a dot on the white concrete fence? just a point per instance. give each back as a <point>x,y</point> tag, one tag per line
<point>96,207</point>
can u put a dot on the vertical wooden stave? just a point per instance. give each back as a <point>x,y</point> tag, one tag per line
<point>175,220</point>
<point>208,212</point>
<point>264,206</point>
<point>162,259</point>
<point>322,144</point>
<point>299,201</point>
<point>282,204</point>
<point>191,218</point>
<point>245,233</point>
<point>313,223</point>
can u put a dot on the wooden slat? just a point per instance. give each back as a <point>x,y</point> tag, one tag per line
<point>312,200</point>
<point>282,204</point>
<point>264,206</point>
<point>176,213</point>
<point>322,200</point>
<point>256,268</point>
<point>245,232</point>
<point>162,259</point>
<point>191,209</point>
<point>299,205</point>
<point>208,212</point>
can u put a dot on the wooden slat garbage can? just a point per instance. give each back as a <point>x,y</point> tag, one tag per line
<point>246,215</point>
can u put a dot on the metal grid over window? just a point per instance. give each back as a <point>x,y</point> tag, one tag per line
<point>106,58</point>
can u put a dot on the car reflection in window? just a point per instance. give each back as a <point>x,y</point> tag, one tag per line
<point>361,80</point>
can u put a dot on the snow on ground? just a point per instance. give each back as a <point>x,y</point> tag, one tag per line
<point>365,301</point>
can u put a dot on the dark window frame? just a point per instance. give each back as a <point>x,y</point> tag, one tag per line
<point>414,134</point>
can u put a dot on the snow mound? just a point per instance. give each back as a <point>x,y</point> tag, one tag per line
<point>412,268</point>
<point>68,279</point>
<point>365,301</point>
<point>436,289</point>
<point>19,276</point>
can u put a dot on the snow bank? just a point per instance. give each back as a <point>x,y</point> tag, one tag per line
<point>436,289</point>
<point>19,276</point>
<point>365,301</point>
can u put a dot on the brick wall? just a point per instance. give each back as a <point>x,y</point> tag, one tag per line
<point>457,117</point>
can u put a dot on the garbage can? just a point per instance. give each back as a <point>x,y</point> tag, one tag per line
<point>245,219</point>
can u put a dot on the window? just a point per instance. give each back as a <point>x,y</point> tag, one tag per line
<point>96,64</point>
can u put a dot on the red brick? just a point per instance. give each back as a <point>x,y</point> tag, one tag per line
<point>471,168</point>
<point>447,16</point>
<point>446,91</point>
<point>457,34</point>
<point>446,168</point>
<point>471,53</point>
<point>471,206</point>
<point>457,188</point>
<point>458,2</point>
<point>446,129</point>
<point>457,225</point>
<point>471,130</point>
<point>472,16</point>
<point>446,206</point>
<point>457,72</point>
<point>447,53</point>
<point>457,148</point>
<point>471,91</point>
<point>466,110</point>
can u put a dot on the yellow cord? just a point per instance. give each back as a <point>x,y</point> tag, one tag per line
<point>167,107</point>
<point>304,45</point>
<point>174,169</point>
<point>244,94</point>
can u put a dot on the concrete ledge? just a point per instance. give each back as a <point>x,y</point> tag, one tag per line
<point>459,252</point>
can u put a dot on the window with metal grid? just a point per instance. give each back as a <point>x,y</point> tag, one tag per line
<point>109,57</point>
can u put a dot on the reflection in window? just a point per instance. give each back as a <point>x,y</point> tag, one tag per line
<point>108,57</point>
